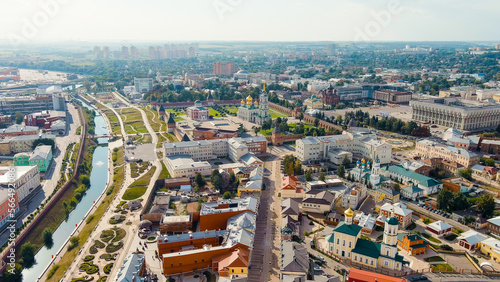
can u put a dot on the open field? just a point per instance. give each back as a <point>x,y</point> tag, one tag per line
<point>276,114</point>
<point>132,120</point>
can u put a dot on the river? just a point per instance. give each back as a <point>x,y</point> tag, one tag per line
<point>98,180</point>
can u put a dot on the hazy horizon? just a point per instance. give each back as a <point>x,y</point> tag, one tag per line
<point>28,22</point>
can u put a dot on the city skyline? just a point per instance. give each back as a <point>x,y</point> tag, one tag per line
<point>224,20</point>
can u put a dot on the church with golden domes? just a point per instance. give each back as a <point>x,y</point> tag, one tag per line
<point>255,111</point>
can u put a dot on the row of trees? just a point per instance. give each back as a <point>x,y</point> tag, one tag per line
<point>450,202</point>
<point>292,165</point>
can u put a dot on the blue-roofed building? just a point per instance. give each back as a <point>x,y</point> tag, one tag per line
<point>427,184</point>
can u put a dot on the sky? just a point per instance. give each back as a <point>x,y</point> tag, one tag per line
<point>26,21</point>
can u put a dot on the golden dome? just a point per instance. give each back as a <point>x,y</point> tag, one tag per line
<point>349,213</point>
<point>256,103</point>
<point>243,102</point>
<point>249,99</point>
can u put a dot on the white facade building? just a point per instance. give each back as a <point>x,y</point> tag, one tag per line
<point>358,142</point>
<point>25,179</point>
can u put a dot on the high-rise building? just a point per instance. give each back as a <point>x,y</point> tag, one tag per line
<point>125,53</point>
<point>97,53</point>
<point>227,69</point>
<point>330,49</point>
<point>134,53</point>
<point>106,54</point>
<point>497,46</point>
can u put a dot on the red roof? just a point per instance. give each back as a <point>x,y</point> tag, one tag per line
<point>356,275</point>
<point>289,182</point>
<point>491,170</point>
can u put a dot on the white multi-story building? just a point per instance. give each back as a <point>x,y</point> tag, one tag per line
<point>430,149</point>
<point>25,179</point>
<point>188,158</point>
<point>184,166</point>
<point>358,142</point>
<point>143,85</point>
<point>458,113</point>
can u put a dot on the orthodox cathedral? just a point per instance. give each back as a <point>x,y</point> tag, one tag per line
<point>255,112</point>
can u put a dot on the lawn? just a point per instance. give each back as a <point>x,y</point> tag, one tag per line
<point>433,259</point>
<point>233,110</point>
<point>213,112</point>
<point>276,114</point>
<point>442,267</point>
<point>134,193</point>
<point>164,172</point>
<point>430,238</point>
<point>144,180</point>
<point>266,132</point>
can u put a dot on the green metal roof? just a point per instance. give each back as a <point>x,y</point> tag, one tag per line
<point>352,229</point>
<point>330,238</point>
<point>422,179</point>
<point>392,221</point>
<point>367,248</point>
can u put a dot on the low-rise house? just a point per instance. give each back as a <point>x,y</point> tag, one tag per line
<point>250,187</point>
<point>365,221</point>
<point>487,172</point>
<point>470,239</point>
<point>387,193</point>
<point>291,187</point>
<point>491,248</point>
<point>290,207</point>
<point>318,203</point>
<point>412,244</point>
<point>294,263</point>
<point>333,218</point>
<point>494,225</point>
<point>457,184</point>
<point>412,192</point>
<point>439,228</point>
<point>478,222</point>
<point>289,228</point>
<point>251,161</point>
<point>399,210</point>
<point>40,157</point>
<point>357,275</point>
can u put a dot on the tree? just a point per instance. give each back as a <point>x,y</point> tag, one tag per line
<point>459,202</point>
<point>308,175</point>
<point>486,205</point>
<point>289,169</point>
<point>466,173</point>
<point>27,255</point>
<point>85,179</point>
<point>13,274</point>
<point>341,171</point>
<point>217,180</point>
<point>297,167</point>
<point>47,237</point>
<point>346,162</point>
<point>322,176</point>
<point>232,178</point>
<point>199,180</point>
<point>44,141</point>
<point>19,117</point>
<point>444,198</point>
<point>316,122</point>
<point>227,195</point>
<point>397,187</point>
<point>469,219</point>
<point>488,161</point>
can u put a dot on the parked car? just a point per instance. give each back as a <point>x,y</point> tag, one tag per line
<point>317,268</point>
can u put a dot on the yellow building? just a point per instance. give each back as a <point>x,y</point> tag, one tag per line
<point>5,148</point>
<point>250,187</point>
<point>491,247</point>
<point>345,243</point>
